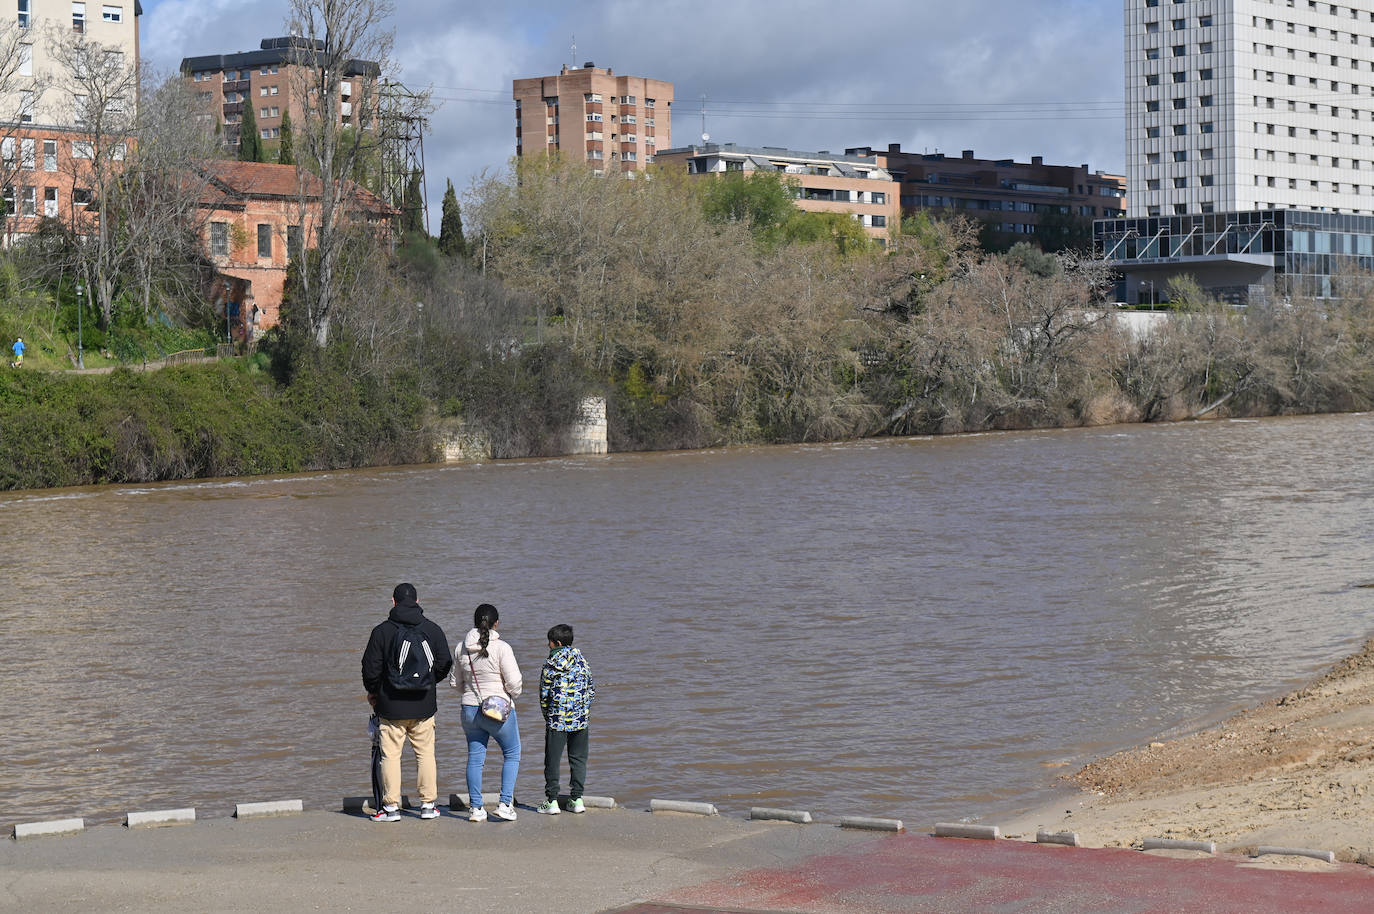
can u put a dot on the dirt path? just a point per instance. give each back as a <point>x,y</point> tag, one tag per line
<point>1297,771</point>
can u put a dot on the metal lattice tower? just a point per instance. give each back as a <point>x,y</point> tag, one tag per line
<point>402,145</point>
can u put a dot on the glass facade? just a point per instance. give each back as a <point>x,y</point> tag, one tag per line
<point>1305,249</point>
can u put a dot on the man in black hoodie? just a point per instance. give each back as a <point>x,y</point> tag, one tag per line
<point>406,657</point>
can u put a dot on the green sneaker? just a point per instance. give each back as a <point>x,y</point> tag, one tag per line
<point>576,805</point>
<point>549,808</point>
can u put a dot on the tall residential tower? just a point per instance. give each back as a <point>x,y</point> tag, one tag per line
<point>590,113</point>
<point>1249,147</point>
<point>1249,104</point>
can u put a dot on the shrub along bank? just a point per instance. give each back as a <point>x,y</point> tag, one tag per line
<point>216,419</point>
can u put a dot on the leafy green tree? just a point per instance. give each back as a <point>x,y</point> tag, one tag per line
<point>1033,260</point>
<point>842,229</point>
<point>451,240</point>
<point>762,200</point>
<point>250,144</point>
<point>286,150</point>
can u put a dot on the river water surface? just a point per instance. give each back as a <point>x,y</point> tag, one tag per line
<point>921,628</point>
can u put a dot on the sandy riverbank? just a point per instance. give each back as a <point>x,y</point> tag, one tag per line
<point>1297,771</point>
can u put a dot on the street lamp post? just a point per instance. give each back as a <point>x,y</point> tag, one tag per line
<point>80,350</point>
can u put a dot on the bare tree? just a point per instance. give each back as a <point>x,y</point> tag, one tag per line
<point>159,196</point>
<point>342,42</point>
<point>101,88</point>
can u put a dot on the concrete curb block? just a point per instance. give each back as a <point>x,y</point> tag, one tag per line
<point>459,802</point>
<point>958,830</point>
<point>51,828</point>
<point>872,824</point>
<point>589,802</point>
<point>160,817</point>
<point>801,817</point>
<point>1066,838</point>
<point>696,809</point>
<point>1326,856</point>
<point>1174,844</point>
<point>263,810</point>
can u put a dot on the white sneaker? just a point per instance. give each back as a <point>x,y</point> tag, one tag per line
<point>505,812</point>
<point>548,808</point>
<point>427,811</point>
<point>478,814</point>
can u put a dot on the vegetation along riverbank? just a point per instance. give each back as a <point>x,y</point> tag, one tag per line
<point>707,314</point>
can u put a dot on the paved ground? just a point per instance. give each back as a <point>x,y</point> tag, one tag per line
<point>626,860</point>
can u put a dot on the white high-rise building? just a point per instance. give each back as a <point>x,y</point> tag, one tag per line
<point>1235,105</point>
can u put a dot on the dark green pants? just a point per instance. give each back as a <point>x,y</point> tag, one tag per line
<point>555,741</point>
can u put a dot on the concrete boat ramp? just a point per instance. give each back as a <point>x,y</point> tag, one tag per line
<point>627,861</point>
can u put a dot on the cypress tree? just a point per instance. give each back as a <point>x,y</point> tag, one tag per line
<point>250,144</point>
<point>286,152</point>
<point>451,240</point>
<point>412,206</point>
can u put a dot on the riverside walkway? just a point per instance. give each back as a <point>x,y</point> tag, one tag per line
<point>626,861</point>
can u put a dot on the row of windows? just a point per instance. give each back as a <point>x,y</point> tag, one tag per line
<point>594,98</point>
<point>1312,82</point>
<point>1334,187</point>
<point>1333,136</point>
<point>1331,8</point>
<point>1179,155</point>
<point>1268,50</point>
<point>219,239</point>
<point>1179,76</point>
<point>1294,28</point>
<point>25,203</point>
<point>24,154</point>
<point>1178,104</point>
<point>1179,50</point>
<point>1154,133</point>
<point>1179,25</point>
<point>1180,182</point>
<point>1268,155</point>
<point>107,14</point>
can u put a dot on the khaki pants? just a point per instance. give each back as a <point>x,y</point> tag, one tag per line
<point>421,735</point>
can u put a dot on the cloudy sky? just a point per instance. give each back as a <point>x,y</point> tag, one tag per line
<point>1005,78</point>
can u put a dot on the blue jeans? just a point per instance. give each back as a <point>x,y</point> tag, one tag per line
<point>479,728</point>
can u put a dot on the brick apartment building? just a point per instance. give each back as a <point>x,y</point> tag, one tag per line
<point>269,80</point>
<point>825,183</point>
<point>590,113</point>
<point>259,216</point>
<point>42,143</point>
<point>1012,197</point>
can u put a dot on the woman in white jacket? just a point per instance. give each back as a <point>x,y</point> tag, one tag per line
<point>484,667</point>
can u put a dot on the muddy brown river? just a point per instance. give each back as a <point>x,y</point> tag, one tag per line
<point>923,628</point>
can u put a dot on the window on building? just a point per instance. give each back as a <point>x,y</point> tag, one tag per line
<point>78,17</point>
<point>81,196</point>
<point>880,222</point>
<point>219,239</point>
<point>50,155</point>
<point>50,202</point>
<point>264,240</point>
<point>1179,50</point>
<point>1152,79</point>
<point>25,13</point>
<point>1180,155</point>
<point>27,154</point>
<point>1205,154</point>
<point>1206,48</point>
<point>262,91</point>
<point>1152,184</point>
<point>1180,24</point>
<point>1180,76</point>
<point>294,240</point>
<point>112,13</point>
<point>1180,183</point>
<point>263,112</point>
<point>1204,127</point>
<point>1205,21</point>
<point>1204,101</point>
<point>1180,104</point>
<point>1152,106</point>
<point>1180,129</point>
<point>28,201</point>
<point>1152,133</point>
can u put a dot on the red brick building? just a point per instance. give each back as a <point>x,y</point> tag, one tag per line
<point>259,214</point>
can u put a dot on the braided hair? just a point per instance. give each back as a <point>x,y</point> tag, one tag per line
<point>483,619</point>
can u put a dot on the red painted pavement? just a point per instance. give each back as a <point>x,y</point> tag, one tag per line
<point>920,873</point>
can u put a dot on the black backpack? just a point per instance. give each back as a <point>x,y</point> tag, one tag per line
<point>411,666</point>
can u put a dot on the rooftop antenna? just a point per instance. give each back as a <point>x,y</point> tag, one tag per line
<point>573,63</point>
<point>705,137</point>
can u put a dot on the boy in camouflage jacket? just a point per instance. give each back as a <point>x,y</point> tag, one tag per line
<point>565,699</point>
